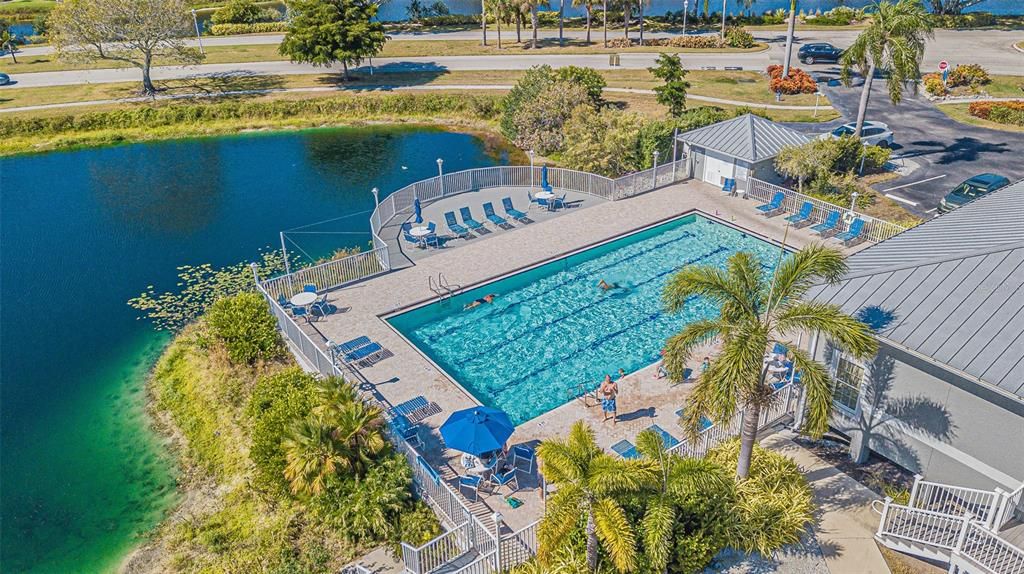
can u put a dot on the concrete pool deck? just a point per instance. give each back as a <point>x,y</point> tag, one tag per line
<point>406,373</point>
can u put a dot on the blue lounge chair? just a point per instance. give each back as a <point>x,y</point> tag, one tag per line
<point>829,226</point>
<point>512,212</point>
<point>429,470</point>
<point>853,234</point>
<point>349,346</point>
<point>494,217</point>
<point>358,350</point>
<point>774,206</point>
<point>410,406</point>
<point>669,440</point>
<point>453,225</point>
<point>625,449</point>
<point>472,482</point>
<point>804,216</point>
<point>729,186</point>
<point>467,219</point>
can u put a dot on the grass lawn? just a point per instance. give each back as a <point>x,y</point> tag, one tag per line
<point>959,113</point>
<point>1005,87</point>
<point>26,6</point>
<point>393,49</point>
<point>742,86</point>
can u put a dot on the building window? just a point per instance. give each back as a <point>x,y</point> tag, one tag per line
<point>848,378</point>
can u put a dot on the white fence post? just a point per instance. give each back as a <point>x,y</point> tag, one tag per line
<point>914,490</point>
<point>885,514</point>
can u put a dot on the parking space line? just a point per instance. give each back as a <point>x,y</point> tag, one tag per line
<point>901,199</point>
<point>915,183</point>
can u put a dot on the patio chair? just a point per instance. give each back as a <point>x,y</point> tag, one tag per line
<point>853,234</point>
<point>309,288</point>
<point>541,202</point>
<point>406,227</point>
<point>454,227</point>
<point>512,212</point>
<point>625,449</point>
<point>559,202</point>
<point>401,426</point>
<point>774,206</point>
<point>322,309</point>
<point>431,237</point>
<point>298,312</point>
<point>494,217</point>
<point>472,482</point>
<point>803,217</point>
<point>467,219</point>
<point>829,226</point>
<point>284,302</point>
<point>523,454</point>
<point>729,186</point>
<point>498,480</point>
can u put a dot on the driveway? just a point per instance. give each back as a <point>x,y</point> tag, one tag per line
<point>937,152</point>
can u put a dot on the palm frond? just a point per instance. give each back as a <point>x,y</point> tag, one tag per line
<point>679,347</point>
<point>616,534</point>
<point>696,475</point>
<point>851,334</point>
<point>800,271</point>
<point>704,281</point>
<point>656,527</point>
<point>818,386</point>
<point>612,476</point>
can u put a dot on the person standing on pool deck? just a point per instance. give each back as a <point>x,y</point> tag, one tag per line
<point>609,391</point>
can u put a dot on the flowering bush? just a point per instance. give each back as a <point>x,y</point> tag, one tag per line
<point>968,75</point>
<point>1011,113</point>
<point>934,86</point>
<point>257,28</point>
<point>798,82</point>
<point>737,37</point>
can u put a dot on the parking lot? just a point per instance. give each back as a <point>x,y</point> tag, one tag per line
<point>936,152</point>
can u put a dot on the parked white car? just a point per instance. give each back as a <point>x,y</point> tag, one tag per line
<point>873,133</point>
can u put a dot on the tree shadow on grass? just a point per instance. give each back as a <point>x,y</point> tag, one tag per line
<point>234,84</point>
<point>386,76</point>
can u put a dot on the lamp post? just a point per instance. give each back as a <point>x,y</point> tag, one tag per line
<point>723,18</point>
<point>440,175</point>
<point>199,38</point>
<point>530,153</point>
<point>655,182</point>
<point>817,95</point>
<point>376,197</point>
<point>853,201</point>
<point>686,9</point>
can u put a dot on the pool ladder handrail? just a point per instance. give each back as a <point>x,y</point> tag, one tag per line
<point>442,288</point>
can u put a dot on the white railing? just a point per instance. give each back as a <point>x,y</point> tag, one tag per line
<point>986,549</point>
<point>332,274</point>
<point>438,552</point>
<point>1010,505</point>
<point>921,526</point>
<point>781,407</point>
<point>518,547</point>
<point>953,500</point>
<point>310,351</point>
<point>874,229</point>
<point>484,564</point>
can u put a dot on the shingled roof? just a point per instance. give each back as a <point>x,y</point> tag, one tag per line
<point>747,137</point>
<point>951,289</point>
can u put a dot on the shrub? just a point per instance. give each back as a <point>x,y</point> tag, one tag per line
<point>933,85</point>
<point>737,37</point>
<point>244,325</point>
<point>695,42</point>
<point>256,28</point>
<point>539,122</point>
<point>602,142</point>
<point>368,509</point>
<point>968,75</point>
<point>985,110</point>
<point>1010,115</point>
<point>587,78</point>
<point>533,82</point>
<point>276,402</point>
<point>798,82</point>
<point>239,12</point>
<point>876,157</point>
<point>969,20</point>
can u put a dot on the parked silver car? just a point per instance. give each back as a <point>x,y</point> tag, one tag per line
<point>873,133</point>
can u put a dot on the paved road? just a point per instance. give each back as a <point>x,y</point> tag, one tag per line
<point>944,152</point>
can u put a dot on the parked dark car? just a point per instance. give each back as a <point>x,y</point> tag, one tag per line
<point>820,52</point>
<point>972,189</point>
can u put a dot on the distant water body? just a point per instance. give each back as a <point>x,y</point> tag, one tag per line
<point>81,232</point>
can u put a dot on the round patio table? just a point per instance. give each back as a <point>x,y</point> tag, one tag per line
<point>421,231</point>
<point>547,196</point>
<point>303,299</point>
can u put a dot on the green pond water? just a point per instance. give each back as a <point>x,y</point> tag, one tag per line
<point>83,475</point>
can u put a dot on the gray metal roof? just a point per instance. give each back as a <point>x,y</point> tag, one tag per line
<point>747,137</point>
<point>951,289</point>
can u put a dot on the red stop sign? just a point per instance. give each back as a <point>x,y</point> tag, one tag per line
<point>943,65</point>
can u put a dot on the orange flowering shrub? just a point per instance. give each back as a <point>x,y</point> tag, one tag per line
<point>798,82</point>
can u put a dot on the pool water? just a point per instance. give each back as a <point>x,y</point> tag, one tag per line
<point>552,328</point>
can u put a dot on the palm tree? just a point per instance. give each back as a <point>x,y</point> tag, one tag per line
<point>893,41</point>
<point>642,3</point>
<point>755,312</point>
<point>534,19</point>
<point>677,477</point>
<point>7,42</point>
<point>587,5</point>
<point>332,393</point>
<point>483,20</point>
<point>588,482</point>
<point>311,455</point>
<point>604,9</point>
<point>789,38</point>
<point>359,435</point>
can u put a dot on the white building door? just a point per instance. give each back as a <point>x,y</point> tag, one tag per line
<point>717,167</point>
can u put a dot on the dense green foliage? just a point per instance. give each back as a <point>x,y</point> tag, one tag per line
<point>325,32</point>
<point>277,401</point>
<point>1009,112</point>
<point>828,165</point>
<point>244,325</point>
<point>672,92</point>
<point>256,28</point>
<point>527,117</point>
<point>243,12</point>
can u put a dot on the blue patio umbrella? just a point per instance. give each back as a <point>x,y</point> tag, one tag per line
<point>544,176</point>
<point>477,431</point>
<point>417,210</point>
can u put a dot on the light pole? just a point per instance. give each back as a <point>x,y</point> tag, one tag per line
<point>853,201</point>
<point>530,153</point>
<point>199,37</point>
<point>655,183</point>
<point>440,175</point>
<point>723,18</point>
<point>376,197</point>
<point>817,95</point>
<point>686,9</point>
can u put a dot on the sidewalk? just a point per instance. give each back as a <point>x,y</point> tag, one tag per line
<point>846,524</point>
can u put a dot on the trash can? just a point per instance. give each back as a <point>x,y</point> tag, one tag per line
<point>613,59</point>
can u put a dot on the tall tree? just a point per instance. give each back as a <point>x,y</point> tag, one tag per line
<point>590,483</point>
<point>798,161</point>
<point>604,17</point>
<point>672,93</point>
<point>588,6</point>
<point>953,7</point>
<point>7,40</point>
<point>483,21</point>
<point>136,32</point>
<point>641,5</point>
<point>790,31</point>
<point>893,41</point>
<point>755,312</point>
<point>324,32</point>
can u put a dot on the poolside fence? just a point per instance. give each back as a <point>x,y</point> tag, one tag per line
<point>874,229</point>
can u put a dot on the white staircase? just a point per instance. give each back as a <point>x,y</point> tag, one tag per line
<point>957,525</point>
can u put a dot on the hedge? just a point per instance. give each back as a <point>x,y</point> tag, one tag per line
<point>362,106</point>
<point>798,81</point>
<point>1011,112</point>
<point>258,28</point>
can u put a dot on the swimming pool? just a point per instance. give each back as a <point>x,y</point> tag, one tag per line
<point>552,328</point>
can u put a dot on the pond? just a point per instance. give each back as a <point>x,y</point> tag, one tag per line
<point>82,232</point>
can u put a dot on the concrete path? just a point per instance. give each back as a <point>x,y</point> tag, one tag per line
<point>846,524</point>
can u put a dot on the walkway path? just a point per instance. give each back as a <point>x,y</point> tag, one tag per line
<point>846,524</point>
<point>439,87</point>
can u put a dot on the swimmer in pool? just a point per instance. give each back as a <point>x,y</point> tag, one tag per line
<point>480,301</point>
<point>606,285</point>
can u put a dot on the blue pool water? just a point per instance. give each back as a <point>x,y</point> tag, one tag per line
<point>551,328</point>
